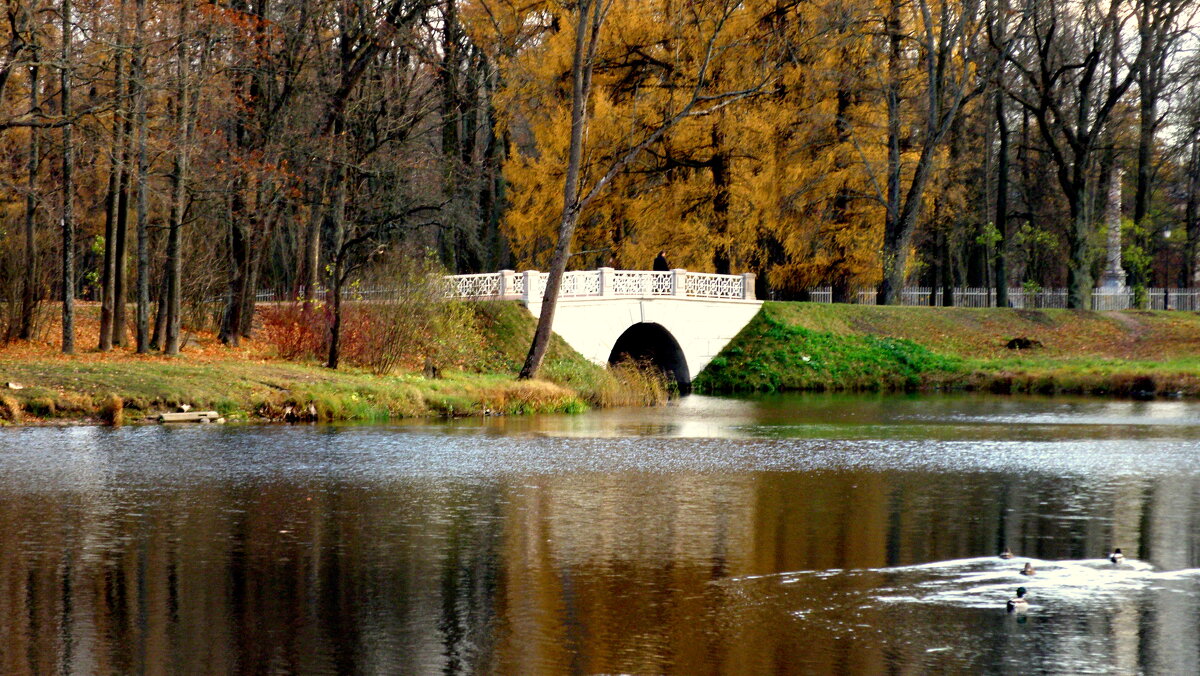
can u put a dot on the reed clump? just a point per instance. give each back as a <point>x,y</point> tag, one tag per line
<point>10,409</point>
<point>112,410</point>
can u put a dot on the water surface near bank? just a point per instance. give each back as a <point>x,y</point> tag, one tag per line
<point>799,534</point>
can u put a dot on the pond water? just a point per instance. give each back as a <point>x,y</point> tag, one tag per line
<point>798,534</point>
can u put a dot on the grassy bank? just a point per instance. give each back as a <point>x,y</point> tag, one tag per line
<point>810,346</point>
<point>250,382</point>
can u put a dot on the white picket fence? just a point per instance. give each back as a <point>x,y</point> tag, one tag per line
<point>1156,299</point>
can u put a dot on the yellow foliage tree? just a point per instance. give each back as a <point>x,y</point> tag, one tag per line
<point>796,184</point>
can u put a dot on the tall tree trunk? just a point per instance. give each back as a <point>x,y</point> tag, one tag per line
<point>722,260</point>
<point>29,290</point>
<point>893,257</point>
<point>1147,128</point>
<point>120,335</point>
<point>250,289</point>
<point>239,255</point>
<point>159,335</point>
<point>68,189</point>
<point>115,177</point>
<point>179,179</point>
<point>1002,204</point>
<point>455,243</point>
<point>1192,213</point>
<point>491,197</point>
<point>840,283</point>
<point>310,270</point>
<point>337,218</point>
<point>581,71</point>
<point>143,170</point>
<point>947,271</point>
<point>935,273</point>
<point>1079,246</point>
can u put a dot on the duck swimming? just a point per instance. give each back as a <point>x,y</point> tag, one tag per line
<point>1019,603</point>
<point>1116,556</point>
<point>1007,554</point>
<point>1028,569</point>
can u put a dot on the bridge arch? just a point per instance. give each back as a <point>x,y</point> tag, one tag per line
<point>652,342</point>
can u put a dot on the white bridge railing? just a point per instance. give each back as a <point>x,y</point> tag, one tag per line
<point>530,286</point>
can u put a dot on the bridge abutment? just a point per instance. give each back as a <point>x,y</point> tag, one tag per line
<point>701,328</point>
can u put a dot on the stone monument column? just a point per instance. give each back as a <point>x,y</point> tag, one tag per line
<point>1113,277</point>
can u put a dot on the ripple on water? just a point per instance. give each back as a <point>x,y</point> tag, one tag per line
<point>988,582</point>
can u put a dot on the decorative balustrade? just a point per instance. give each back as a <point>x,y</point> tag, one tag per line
<point>530,286</point>
<point>473,286</point>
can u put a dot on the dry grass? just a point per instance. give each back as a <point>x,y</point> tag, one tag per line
<point>240,382</point>
<point>112,410</point>
<point>10,409</point>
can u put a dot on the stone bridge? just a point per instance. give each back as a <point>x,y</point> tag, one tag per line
<point>679,320</point>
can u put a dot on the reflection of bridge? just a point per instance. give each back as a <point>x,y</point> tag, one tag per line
<point>678,319</point>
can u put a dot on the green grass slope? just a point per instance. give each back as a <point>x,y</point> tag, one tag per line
<point>810,346</point>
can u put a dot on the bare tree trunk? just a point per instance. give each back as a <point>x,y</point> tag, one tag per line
<point>143,232</point>
<point>1079,247</point>
<point>947,272</point>
<point>115,177</point>
<point>250,290</point>
<point>159,336</point>
<point>179,184</point>
<point>1002,205</point>
<point>312,249</point>
<point>68,190</point>
<point>338,218</point>
<point>893,255</point>
<point>581,71</point>
<point>722,260</point>
<point>1147,128</point>
<point>239,254</point>
<point>1192,213</point>
<point>29,290</point>
<point>120,336</point>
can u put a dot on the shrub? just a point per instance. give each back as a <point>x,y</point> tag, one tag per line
<point>413,325</point>
<point>396,317</point>
<point>296,331</point>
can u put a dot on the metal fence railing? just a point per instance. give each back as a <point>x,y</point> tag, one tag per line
<point>1019,297</point>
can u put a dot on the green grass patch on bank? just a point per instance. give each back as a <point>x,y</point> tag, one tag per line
<point>241,390</point>
<point>811,346</point>
<point>771,354</point>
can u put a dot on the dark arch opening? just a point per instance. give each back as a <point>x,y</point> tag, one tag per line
<point>653,343</point>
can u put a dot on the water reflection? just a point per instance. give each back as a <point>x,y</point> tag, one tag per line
<point>717,536</point>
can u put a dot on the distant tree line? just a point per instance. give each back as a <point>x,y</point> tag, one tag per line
<point>159,156</point>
